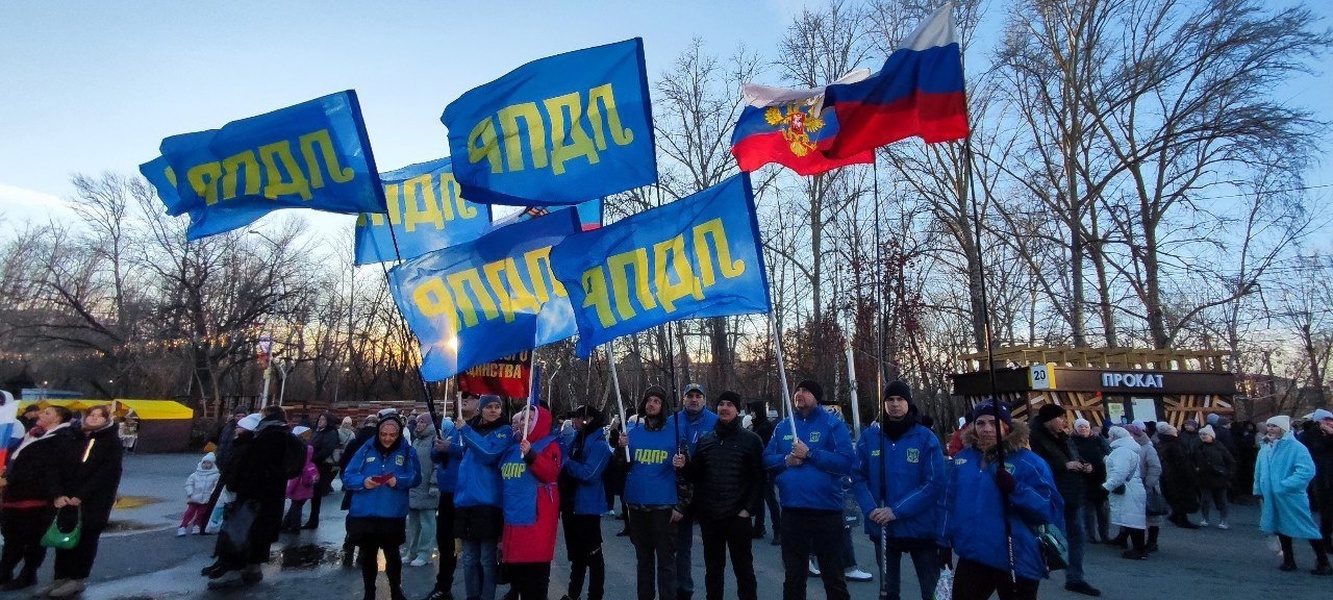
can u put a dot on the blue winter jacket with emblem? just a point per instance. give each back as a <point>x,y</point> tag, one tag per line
<point>479,470</point>
<point>692,427</point>
<point>584,465</point>
<point>974,527</point>
<point>910,472</point>
<point>447,463</point>
<point>817,483</point>
<point>372,460</point>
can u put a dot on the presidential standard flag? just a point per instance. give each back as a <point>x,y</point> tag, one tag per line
<point>919,92</point>
<point>481,300</point>
<point>787,126</point>
<point>426,212</point>
<point>559,130</point>
<point>312,155</point>
<point>696,257</point>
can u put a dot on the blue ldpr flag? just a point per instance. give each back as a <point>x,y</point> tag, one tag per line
<point>558,130</point>
<point>426,212</point>
<point>481,300</point>
<point>535,394</point>
<point>696,257</point>
<point>315,154</point>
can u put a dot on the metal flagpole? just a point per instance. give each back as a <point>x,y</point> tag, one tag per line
<point>782,376</point>
<point>402,323</point>
<point>615,382</point>
<point>851,386</point>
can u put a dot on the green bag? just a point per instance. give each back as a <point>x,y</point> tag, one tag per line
<point>63,540</point>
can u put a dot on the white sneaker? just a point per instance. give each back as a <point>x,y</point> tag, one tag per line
<point>198,530</point>
<point>814,571</point>
<point>180,532</point>
<point>856,574</point>
<point>1203,522</point>
<point>419,562</point>
<point>1223,525</point>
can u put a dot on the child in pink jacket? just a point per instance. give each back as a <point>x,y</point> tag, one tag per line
<point>300,489</point>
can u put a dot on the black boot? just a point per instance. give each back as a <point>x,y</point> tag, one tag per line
<point>26,579</point>
<point>1121,540</point>
<point>1152,538</point>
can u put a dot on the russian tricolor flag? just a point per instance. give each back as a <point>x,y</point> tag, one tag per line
<point>788,127</point>
<point>919,92</point>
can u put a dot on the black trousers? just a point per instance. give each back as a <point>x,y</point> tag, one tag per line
<point>323,488</point>
<point>807,532</point>
<point>975,581</point>
<point>77,562</point>
<point>23,529</point>
<point>721,536</point>
<point>654,538</point>
<point>770,504</point>
<point>444,539</point>
<point>583,545</point>
<point>530,580</point>
<point>393,566</point>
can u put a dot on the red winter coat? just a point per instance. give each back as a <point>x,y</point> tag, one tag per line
<point>536,543</point>
<point>303,487</point>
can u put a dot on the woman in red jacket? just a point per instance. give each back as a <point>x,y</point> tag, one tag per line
<point>529,471</point>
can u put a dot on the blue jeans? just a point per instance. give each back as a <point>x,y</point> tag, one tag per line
<point>925,559</point>
<point>1074,537</point>
<point>478,560</point>
<point>684,543</point>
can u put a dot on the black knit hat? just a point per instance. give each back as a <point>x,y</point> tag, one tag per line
<point>1049,411</point>
<point>814,388</point>
<point>898,388</point>
<point>730,396</point>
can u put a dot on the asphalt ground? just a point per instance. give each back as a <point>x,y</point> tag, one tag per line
<point>141,557</point>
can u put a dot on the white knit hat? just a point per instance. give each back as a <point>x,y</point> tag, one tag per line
<point>1281,421</point>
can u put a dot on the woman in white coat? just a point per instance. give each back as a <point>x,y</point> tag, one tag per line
<point>1128,499</point>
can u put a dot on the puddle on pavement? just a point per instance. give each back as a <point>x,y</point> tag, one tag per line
<point>306,556</point>
<point>115,526</point>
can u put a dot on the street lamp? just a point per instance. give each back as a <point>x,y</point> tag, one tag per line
<point>266,340</point>
<point>45,384</point>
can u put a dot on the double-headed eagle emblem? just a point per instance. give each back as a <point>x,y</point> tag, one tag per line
<point>797,120</point>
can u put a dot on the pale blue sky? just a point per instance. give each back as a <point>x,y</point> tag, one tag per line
<point>91,86</point>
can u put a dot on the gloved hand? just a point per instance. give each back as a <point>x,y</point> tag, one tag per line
<point>1005,481</point>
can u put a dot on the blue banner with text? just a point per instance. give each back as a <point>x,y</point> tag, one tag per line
<point>311,155</point>
<point>699,256</point>
<point>558,130</point>
<point>492,297</point>
<point>426,212</point>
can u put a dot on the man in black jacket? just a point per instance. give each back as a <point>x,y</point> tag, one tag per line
<point>259,477</point>
<point>728,471</point>
<point>1052,443</point>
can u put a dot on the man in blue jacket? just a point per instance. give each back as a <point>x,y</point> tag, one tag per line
<point>694,421</point>
<point>583,500</point>
<point>980,498</point>
<point>899,482</point>
<point>657,499</point>
<point>809,468</point>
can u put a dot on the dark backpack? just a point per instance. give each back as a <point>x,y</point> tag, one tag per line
<point>293,458</point>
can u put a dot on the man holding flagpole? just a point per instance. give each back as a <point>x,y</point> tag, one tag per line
<point>694,421</point>
<point>810,453</point>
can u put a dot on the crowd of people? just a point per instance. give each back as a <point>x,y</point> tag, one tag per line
<point>65,471</point>
<point>489,493</point>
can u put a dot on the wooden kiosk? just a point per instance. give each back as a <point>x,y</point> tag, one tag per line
<point>1104,384</point>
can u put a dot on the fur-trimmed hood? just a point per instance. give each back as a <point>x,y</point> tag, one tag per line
<point>1016,439</point>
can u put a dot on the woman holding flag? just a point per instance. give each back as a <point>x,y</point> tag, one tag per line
<point>477,515</point>
<point>529,470</point>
